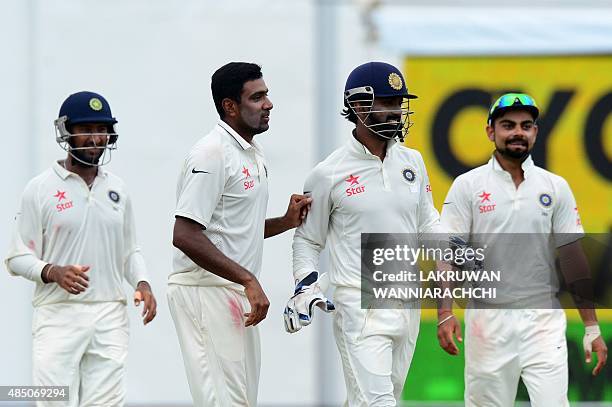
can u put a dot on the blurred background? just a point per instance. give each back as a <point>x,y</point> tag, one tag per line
<point>153,59</point>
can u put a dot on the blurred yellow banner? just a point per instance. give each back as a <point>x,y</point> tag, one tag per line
<point>574,94</point>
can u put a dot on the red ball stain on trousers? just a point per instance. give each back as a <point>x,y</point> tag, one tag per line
<point>235,308</point>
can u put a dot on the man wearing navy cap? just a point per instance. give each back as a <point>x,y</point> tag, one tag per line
<point>75,238</point>
<point>372,184</point>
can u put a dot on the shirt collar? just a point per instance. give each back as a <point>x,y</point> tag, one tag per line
<point>359,149</point>
<point>527,164</point>
<point>63,173</point>
<point>227,128</point>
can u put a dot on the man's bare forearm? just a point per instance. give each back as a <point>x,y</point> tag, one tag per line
<point>575,270</point>
<point>188,238</point>
<point>445,305</point>
<point>276,226</point>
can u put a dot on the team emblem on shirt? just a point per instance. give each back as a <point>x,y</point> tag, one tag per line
<point>545,200</point>
<point>409,174</point>
<point>114,196</point>
<point>355,186</point>
<point>486,205</point>
<point>61,196</point>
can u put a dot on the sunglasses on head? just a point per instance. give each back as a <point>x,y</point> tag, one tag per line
<point>513,99</point>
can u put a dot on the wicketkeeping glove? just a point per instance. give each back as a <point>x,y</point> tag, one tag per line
<point>459,246</point>
<point>308,294</point>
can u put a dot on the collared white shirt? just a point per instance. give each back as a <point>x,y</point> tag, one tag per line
<point>223,186</point>
<point>61,221</point>
<point>485,200</point>
<point>354,192</point>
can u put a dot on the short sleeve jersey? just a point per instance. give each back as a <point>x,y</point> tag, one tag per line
<point>530,220</point>
<point>354,192</point>
<point>223,186</point>
<point>61,221</point>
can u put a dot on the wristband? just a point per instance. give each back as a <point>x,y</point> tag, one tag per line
<point>49,270</point>
<point>591,333</point>
<point>446,319</point>
<point>592,330</point>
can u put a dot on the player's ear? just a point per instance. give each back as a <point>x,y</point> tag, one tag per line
<point>230,107</point>
<point>490,132</point>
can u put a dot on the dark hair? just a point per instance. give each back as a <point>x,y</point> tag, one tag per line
<point>227,82</point>
<point>348,113</point>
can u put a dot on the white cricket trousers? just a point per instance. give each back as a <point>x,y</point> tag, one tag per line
<point>376,348</point>
<point>502,346</point>
<point>222,357</point>
<point>83,346</point>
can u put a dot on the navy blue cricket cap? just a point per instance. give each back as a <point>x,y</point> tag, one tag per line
<point>385,79</point>
<point>86,107</point>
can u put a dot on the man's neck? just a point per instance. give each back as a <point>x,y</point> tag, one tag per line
<point>514,166</point>
<point>248,136</point>
<point>87,173</point>
<point>374,144</point>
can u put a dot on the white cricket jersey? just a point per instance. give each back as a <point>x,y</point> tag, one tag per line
<point>485,200</point>
<point>61,221</point>
<point>354,192</point>
<point>224,187</point>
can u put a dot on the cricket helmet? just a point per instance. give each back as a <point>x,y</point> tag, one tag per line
<point>80,108</point>
<point>378,80</point>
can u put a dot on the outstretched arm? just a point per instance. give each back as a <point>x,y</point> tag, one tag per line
<point>295,215</point>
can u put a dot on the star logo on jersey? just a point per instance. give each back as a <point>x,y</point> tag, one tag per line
<point>484,197</point>
<point>352,180</point>
<point>60,195</point>
<point>248,183</point>
<point>355,187</point>
<point>62,206</point>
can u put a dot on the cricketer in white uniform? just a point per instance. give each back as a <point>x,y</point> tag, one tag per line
<point>510,195</point>
<point>219,232</point>
<point>372,184</point>
<point>75,238</point>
